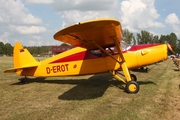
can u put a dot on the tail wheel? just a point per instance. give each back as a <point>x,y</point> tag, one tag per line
<point>132,87</point>
<point>147,69</point>
<point>133,77</point>
<point>24,80</point>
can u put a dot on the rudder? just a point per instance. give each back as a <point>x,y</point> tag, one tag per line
<point>21,56</point>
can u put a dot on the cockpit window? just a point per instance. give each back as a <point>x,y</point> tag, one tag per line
<point>111,50</point>
<point>125,46</point>
<point>96,53</point>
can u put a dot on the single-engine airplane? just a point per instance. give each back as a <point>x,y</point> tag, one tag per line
<point>95,41</point>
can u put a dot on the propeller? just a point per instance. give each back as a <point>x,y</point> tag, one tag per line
<point>170,48</point>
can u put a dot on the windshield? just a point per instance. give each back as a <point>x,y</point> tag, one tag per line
<point>125,46</point>
<point>112,50</point>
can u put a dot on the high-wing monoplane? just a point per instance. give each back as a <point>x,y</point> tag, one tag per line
<point>100,48</point>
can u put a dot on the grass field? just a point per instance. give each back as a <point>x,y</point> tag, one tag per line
<point>91,97</point>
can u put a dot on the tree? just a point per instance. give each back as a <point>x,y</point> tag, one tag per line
<point>65,44</point>
<point>178,46</point>
<point>173,40</point>
<point>156,39</point>
<point>144,37</point>
<point>128,36</point>
<point>162,39</point>
<point>1,48</point>
<point>8,49</point>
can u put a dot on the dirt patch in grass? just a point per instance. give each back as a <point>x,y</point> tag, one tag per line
<point>91,97</point>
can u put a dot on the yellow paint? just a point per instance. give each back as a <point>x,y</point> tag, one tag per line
<point>132,87</point>
<point>100,31</point>
<point>136,59</point>
<point>144,52</point>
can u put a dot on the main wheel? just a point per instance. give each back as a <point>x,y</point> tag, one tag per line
<point>132,87</point>
<point>133,77</point>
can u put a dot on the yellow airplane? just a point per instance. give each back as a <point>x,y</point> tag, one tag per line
<point>98,50</point>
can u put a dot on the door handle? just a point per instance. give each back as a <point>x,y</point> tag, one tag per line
<point>144,52</point>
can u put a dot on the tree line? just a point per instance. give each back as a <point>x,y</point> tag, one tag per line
<point>144,37</point>
<point>7,49</point>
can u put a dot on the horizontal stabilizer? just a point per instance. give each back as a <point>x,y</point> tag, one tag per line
<point>18,68</point>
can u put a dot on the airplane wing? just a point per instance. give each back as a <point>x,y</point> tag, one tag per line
<point>96,34</point>
<point>84,34</point>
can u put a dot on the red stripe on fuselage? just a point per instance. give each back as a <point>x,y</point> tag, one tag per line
<point>85,55</point>
<point>141,46</point>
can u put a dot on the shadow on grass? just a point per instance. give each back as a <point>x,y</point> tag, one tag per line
<point>91,88</point>
<point>94,88</point>
<point>140,70</point>
<point>146,82</point>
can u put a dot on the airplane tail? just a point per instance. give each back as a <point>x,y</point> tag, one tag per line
<point>22,59</point>
<point>22,56</point>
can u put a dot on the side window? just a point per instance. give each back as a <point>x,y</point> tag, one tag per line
<point>96,53</point>
<point>110,50</point>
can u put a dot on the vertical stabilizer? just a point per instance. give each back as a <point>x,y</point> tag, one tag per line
<point>22,56</point>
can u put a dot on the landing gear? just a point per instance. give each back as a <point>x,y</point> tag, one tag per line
<point>24,80</point>
<point>132,87</point>
<point>133,77</point>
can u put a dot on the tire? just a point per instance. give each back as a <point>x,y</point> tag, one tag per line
<point>133,77</point>
<point>147,70</point>
<point>132,87</point>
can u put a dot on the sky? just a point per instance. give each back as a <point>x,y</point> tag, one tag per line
<point>34,22</point>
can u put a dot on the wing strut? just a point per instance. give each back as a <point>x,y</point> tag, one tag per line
<point>121,61</point>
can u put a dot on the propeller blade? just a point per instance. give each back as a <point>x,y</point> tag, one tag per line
<point>170,48</point>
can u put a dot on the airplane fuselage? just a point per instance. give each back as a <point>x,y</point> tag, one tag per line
<point>80,61</point>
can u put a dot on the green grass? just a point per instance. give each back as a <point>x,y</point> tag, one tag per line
<point>90,97</point>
